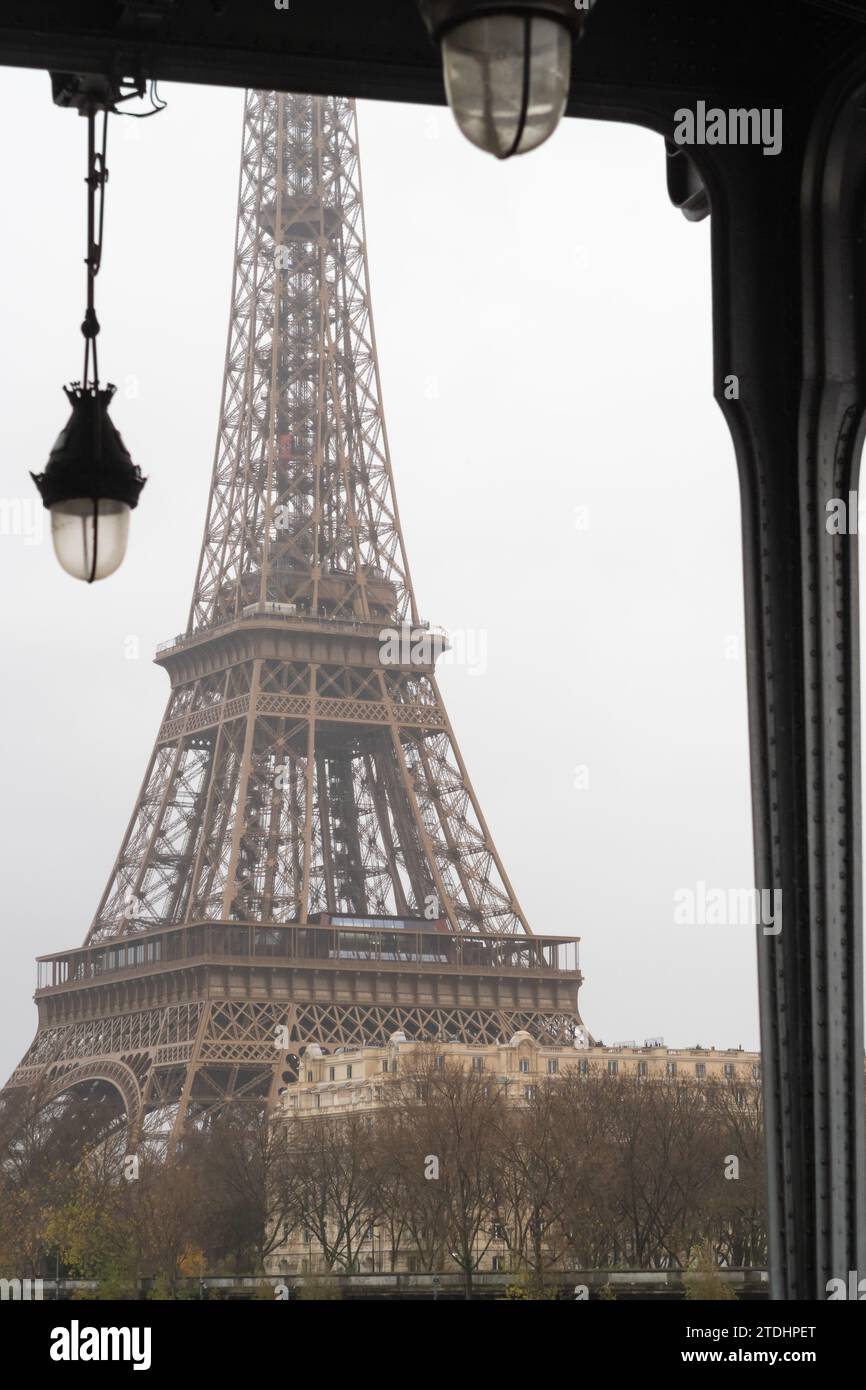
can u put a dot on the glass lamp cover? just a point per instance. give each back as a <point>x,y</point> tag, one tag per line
<point>90,536</point>
<point>486,71</point>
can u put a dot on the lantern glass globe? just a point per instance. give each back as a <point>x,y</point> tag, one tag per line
<point>90,536</point>
<point>507,79</point>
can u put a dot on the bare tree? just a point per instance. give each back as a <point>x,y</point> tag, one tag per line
<point>740,1182</point>
<point>452,1121</point>
<point>529,1180</point>
<point>246,1200</point>
<point>334,1183</point>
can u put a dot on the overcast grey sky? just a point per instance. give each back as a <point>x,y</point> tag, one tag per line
<point>568,495</point>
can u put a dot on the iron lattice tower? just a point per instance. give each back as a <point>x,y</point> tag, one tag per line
<point>307,860</point>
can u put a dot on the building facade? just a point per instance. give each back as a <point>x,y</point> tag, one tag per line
<point>351,1082</point>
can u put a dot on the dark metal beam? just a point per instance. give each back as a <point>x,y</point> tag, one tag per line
<point>380,48</point>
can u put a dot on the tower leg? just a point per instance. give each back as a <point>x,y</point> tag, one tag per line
<point>183,1105</point>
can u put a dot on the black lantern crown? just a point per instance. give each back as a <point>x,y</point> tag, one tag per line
<point>89,458</point>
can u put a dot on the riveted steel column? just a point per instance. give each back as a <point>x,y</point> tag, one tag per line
<point>790,314</point>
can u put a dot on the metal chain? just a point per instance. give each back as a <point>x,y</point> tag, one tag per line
<point>97,176</point>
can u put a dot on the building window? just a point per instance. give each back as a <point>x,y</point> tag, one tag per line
<point>332,1073</point>
<point>309,1076</point>
<point>477,1063</point>
<point>700,1069</point>
<point>349,1072</point>
<point>756,1073</point>
<point>498,1232</point>
<point>318,1101</point>
<point>583,1067</point>
<point>524,1064</point>
<point>529,1093</point>
<point>498,1264</point>
<point>385,1064</point>
<point>729,1071</point>
<point>612,1066</point>
<point>552,1066</point>
<point>671,1068</point>
<point>440,1062</point>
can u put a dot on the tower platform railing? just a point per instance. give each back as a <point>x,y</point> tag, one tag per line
<point>423,947</point>
<point>274,612</point>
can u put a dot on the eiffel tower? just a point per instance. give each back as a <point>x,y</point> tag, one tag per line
<point>307,861</point>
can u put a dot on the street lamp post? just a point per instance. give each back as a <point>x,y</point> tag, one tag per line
<point>91,485</point>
